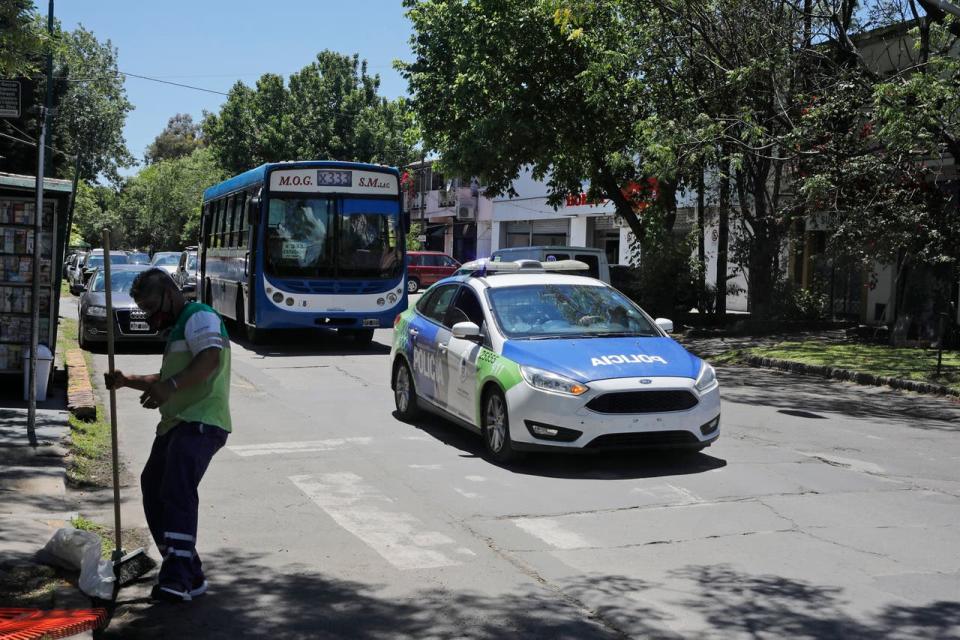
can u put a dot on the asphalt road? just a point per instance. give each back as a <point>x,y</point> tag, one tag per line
<point>825,510</point>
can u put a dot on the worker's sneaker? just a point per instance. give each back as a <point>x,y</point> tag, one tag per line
<point>172,593</point>
<point>199,588</point>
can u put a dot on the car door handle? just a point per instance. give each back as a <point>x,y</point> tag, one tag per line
<point>442,346</point>
<point>414,332</point>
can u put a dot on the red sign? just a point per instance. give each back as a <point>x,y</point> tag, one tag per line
<point>641,194</point>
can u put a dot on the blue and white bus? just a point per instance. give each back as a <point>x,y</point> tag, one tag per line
<point>297,245</point>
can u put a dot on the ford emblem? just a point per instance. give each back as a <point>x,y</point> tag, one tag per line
<point>644,380</point>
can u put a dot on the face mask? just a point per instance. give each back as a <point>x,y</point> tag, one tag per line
<point>161,319</point>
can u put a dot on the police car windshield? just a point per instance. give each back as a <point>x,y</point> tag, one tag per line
<point>567,311</point>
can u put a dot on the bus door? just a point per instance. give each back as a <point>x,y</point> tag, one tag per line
<point>206,221</point>
<point>252,215</point>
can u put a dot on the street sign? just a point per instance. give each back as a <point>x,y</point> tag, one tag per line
<point>422,238</point>
<point>10,99</point>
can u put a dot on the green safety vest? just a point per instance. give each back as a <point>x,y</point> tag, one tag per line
<point>207,402</point>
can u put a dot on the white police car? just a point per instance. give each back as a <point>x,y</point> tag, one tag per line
<point>533,358</point>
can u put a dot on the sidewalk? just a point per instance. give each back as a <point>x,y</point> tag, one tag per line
<point>34,503</point>
<point>712,346</point>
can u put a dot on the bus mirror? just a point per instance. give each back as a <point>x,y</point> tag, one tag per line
<point>406,222</point>
<point>253,211</point>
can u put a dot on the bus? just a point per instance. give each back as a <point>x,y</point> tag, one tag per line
<point>296,245</point>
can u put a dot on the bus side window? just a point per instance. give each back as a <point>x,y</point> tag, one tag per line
<point>230,226</point>
<point>242,225</point>
<point>215,224</point>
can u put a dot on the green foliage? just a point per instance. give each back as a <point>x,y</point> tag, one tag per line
<point>329,110</point>
<point>159,208</point>
<point>21,38</point>
<point>665,282</point>
<point>91,110</point>
<point>180,137</point>
<point>500,85</point>
<point>413,237</point>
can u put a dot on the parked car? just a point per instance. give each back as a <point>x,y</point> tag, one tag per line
<point>186,274</point>
<point>95,260</point>
<point>75,272</point>
<point>426,267</point>
<point>68,264</point>
<point>166,260</point>
<point>130,323</point>
<point>137,257</point>
<point>595,259</point>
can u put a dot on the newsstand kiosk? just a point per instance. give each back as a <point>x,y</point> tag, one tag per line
<point>18,245</point>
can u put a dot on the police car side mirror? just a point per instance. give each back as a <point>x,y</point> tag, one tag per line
<point>467,331</point>
<point>666,325</point>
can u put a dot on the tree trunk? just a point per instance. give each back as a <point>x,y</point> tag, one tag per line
<point>702,304</point>
<point>723,233</point>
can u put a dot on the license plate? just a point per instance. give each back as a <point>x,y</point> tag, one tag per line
<point>371,322</point>
<point>139,326</point>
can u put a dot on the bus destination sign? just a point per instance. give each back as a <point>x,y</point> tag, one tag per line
<point>334,181</point>
<point>334,178</point>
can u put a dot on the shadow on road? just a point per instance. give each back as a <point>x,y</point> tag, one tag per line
<point>251,597</point>
<point>307,342</point>
<point>792,393</point>
<point>604,465</point>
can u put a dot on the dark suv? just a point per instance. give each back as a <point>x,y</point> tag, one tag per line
<point>426,267</point>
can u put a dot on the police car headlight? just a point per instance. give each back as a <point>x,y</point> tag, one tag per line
<point>707,377</point>
<point>97,312</point>
<point>549,381</point>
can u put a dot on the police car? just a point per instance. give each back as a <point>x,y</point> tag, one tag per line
<point>533,357</point>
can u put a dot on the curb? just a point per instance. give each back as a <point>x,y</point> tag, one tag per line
<point>857,377</point>
<point>80,398</point>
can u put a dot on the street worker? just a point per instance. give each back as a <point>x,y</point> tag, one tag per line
<point>192,392</point>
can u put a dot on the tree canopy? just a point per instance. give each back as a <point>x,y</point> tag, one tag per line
<point>179,138</point>
<point>328,110</point>
<point>91,111</point>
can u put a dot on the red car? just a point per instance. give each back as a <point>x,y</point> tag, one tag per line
<point>426,267</point>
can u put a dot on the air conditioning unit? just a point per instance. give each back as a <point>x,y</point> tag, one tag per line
<point>466,212</point>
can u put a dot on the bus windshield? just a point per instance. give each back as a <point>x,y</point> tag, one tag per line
<point>307,238</point>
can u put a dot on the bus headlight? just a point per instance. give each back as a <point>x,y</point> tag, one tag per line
<point>392,298</point>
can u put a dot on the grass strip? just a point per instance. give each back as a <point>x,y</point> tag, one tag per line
<point>89,441</point>
<point>904,363</point>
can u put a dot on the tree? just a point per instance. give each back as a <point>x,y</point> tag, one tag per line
<point>329,110</point>
<point>91,110</point>
<point>160,206</point>
<point>21,38</point>
<point>179,138</point>
<point>501,85</point>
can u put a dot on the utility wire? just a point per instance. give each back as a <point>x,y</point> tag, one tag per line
<point>176,84</point>
<point>32,143</point>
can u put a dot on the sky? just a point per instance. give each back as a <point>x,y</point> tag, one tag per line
<point>214,43</point>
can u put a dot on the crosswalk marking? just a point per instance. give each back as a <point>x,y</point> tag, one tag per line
<point>359,508</point>
<point>551,532</point>
<point>306,446</point>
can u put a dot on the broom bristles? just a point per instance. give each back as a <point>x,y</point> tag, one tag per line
<point>132,566</point>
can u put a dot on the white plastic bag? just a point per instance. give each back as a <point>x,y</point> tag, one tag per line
<point>75,549</point>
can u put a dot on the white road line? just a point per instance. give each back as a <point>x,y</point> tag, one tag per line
<point>431,467</point>
<point>365,512</point>
<point>466,494</point>
<point>276,448</point>
<point>476,478</point>
<point>688,495</point>
<point>552,533</point>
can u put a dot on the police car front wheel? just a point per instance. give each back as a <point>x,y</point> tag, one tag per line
<point>496,428</point>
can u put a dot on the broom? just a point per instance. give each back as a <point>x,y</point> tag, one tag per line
<point>127,567</point>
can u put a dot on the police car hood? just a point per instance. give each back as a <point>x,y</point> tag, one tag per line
<point>586,359</point>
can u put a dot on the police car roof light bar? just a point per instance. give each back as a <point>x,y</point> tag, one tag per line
<point>481,268</point>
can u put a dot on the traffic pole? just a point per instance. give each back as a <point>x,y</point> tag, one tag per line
<point>38,248</point>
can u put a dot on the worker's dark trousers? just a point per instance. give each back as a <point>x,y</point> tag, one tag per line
<point>169,484</point>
